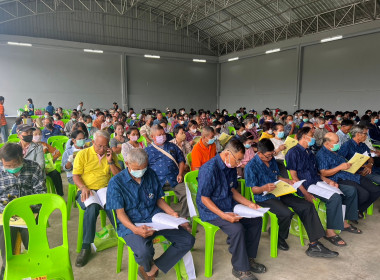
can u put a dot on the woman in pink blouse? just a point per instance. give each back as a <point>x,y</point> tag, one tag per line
<point>247,139</point>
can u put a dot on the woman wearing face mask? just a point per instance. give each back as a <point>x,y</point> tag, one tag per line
<point>267,130</point>
<point>57,120</point>
<point>133,134</point>
<point>192,132</point>
<point>247,139</point>
<point>107,123</point>
<point>250,127</point>
<point>279,145</point>
<point>77,143</point>
<point>31,150</point>
<point>82,127</point>
<point>117,142</point>
<point>180,141</point>
<point>48,149</point>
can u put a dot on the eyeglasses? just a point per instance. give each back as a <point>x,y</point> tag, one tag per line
<point>268,157</point>
<point>237,160</point>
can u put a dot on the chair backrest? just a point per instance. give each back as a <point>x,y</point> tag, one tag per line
<point>65,121</point>
<point>51,139</point>
<point>60,145</point>
<point>232,130</point>
<point>38,249</point>
<point>189,160</point>
<point>292,135</point>
<point>13,140</point>
<point>112,135</point>
<point>191,181</point>
<point>1,145</point>
<point>142,139</point>
<point>12,136</point>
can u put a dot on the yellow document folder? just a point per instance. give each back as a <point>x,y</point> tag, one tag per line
<point>282,188</point>
<point>357,161</point>
<point>289,143</point>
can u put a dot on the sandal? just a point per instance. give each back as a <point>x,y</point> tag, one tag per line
<point>352,229</point>
<point>335,240</point>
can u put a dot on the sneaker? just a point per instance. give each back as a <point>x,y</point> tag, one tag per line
<point>243,275</point>
<point>257,267</point>
<point>317,250</point>
<point>83,257</point>
<point>282,245</point>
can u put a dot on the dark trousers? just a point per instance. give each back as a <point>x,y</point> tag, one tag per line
<point>244,238</point>
<point>282,168</point>
<point>304,209</point>
<point>180,191</point>
<point>143,249</point>
<point>57,180</point>
<point>14,230</point>
<point>368,192</point>
<point>91,214</point>
<point>334,213</point>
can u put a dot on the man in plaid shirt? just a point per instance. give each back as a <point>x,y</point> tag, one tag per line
<point>18,177</point>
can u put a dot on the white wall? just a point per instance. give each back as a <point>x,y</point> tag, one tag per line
<point>260,82</point>
<point>160,83</point>
<point>64,77</point>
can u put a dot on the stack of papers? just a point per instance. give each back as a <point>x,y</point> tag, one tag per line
<point>323,189</point>
<point>246,212</point>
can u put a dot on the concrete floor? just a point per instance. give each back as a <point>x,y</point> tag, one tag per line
<point>358,260</point>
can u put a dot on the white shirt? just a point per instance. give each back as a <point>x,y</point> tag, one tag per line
<point>277,143</point>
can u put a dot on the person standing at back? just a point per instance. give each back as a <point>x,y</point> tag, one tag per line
<point>50,109</point>
<point>3,122</point>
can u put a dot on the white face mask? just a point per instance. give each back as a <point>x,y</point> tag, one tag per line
<point>321,126</point>
<point>270,131</point>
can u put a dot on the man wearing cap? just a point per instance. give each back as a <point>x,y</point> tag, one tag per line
<point>30,150</point>
<point>145,129</point>
<point>134,120</point>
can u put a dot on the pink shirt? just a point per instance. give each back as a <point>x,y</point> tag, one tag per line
<point>249,154</point>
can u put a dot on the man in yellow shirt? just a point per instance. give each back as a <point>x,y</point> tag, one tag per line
<point>92,171</point>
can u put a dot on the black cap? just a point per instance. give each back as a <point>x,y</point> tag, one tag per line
<point>24,128</point>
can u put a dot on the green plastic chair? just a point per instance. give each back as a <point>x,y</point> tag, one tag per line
<point>142,139</point>
<point>292,135</point>
<point>132,264</point>
<point>65,121</point>
<point>1,145</point>
<point>232,130</point>
<point>189,160</point>
<point>71,193</point>
<point>12,136</point>
<point>39,259</point>
<point>191,181</point>
<point>41,128</point>
<point>34,117</point>
<point>13,140</point>
<point>168,195</point>
<point>112,135</point>
<point>50,188</point>
<point>52,139</point>
<point>103,219</point>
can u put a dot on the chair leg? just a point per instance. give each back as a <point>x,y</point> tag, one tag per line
<point>370,210</point>
<point>120,249</point>
<point>70,199</point>
<point>132,265</point>
<point>103,218</point>
<point>265,222</point>
<point>300,230</point>
<point>80,229</point>
<point>177,268</point>
<point>274,228</point>
<point>175,199</point>
<point>209,249</point>
<point>194,228</point>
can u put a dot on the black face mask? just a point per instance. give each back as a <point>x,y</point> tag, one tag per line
<point>28,138</point>
<point>49,126</point>
<point>218,130</point>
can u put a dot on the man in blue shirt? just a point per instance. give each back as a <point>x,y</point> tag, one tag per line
<point>50,129</point>
<point>260,174</point>
<point>136,196</point>
<point>359,135</point>
<point>333,166</point>
<point>216,198</point>
<point>302,164</point>
<point>50,109</point>
<point>345,127</point>
<point>168,161</point>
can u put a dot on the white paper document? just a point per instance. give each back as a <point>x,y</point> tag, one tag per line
<point>323,189</point>
<point>99,197</point>
<point>246,212</point>
<point>162,221</point>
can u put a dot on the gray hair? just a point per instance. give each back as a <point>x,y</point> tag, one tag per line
<point>137,156</point>
<point>101,133</point>
<point>357,129</point>
<point>155,128</point>
<point>247,120</point>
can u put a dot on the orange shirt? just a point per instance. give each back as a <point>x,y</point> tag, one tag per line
<point>202,154</point>
<point>3,121</point>
<point>97,123</point>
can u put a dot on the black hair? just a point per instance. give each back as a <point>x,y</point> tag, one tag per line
<point>58,116</point>
<point>132,128</point>
<point>83,127</point>
<point>267,125</point>
<point>177,129</point>
<point>303,131</point>
<point>49,103</point>
<point>277,125</point>
<point>246,136</point>
<point>235,146</point>
<point>100,113</point>
<point>75,134</point>
<point>11,151</point>
<point>192,123</point>
<point>30,100</point>
<point>18,121</point>
<point>115,125</point>
<point>1,98</point>
<point>265,145</point>
<point>346,122</point>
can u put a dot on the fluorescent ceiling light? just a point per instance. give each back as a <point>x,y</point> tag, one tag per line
<point>93,51</point>
<point>272,51</point>
<point>331,39</point>
<point>199,60</point>
<point>151,56</point>
<point>233,59</point>
<point>19,44</point>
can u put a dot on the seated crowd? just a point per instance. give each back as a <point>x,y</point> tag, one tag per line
<point>140,157</point>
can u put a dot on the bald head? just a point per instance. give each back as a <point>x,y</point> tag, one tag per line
<point>330,140</point>
<point>331,136</point>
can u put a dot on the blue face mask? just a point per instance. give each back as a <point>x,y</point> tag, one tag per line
<point>80,142</point>
<point>312,142</point>
<point>376,120</point>
<point>281,134</point>
<point>290,123</point>
<point>211,141</point>
<point>336,147</point>
<point>138,173</point>
<point>247,146</point>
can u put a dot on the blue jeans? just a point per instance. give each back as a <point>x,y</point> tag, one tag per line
<point>4,133</point>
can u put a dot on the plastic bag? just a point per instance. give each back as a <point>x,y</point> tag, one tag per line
<point>104,239</point>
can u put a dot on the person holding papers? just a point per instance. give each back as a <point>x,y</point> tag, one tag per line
<point>261,174</point>
<point>359,135</point>
<point>92,171</point>
<point>216,198</point>
<point>302,164</point>
<point>334,166</point>
<point>136,196</point>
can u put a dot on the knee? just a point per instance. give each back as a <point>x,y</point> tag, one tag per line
<point>335,200</point>
<point>350,192</point>
<point>93,210</point>
<point>143,252</point>
<point>188,242</point>
<point>237,230</point>
<point>288,215</point>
